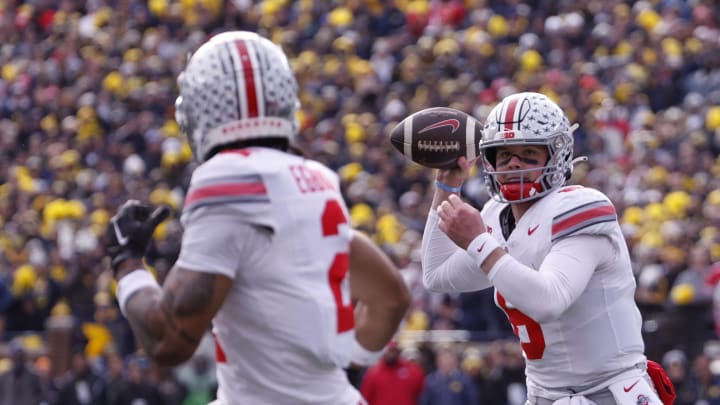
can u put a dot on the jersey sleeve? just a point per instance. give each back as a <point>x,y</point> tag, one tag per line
<point>243,196</point>
<point>445,266</point>
<point>582,211</point>
<point>218,243</point>
<point>227,215</point>
<point>562,277</point>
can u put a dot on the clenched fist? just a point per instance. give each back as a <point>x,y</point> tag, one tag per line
<point>460,221</point>
<point>130,230</point>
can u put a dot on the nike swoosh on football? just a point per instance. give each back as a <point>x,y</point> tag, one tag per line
<point>532,230</point>
<point>627,389</point>
<point>455,124</point>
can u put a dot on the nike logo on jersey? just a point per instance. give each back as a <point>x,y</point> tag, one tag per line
<point>455,124</point>
<point>627,389</point>
<point>481,247</point>
<point>532,230</point>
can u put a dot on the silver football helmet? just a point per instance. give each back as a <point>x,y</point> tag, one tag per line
<point>237,86</point>
<point>527,119</point>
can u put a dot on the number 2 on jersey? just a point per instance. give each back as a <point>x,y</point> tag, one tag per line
<point>332,217</point>
<point>532,342</point>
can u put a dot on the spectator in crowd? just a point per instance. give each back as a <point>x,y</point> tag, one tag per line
<point>199,379</point>
<point>448,384</point>
<point>138,388</point>
<point>512,376</point>
<point>5,301</point>
<point>35,294</point>
<point>21,385</point>
<point>171,388</point>
<point>115,380</point>
<point>473,364</point>
<point>80,385</point>
<point>447,316</point>
<point>702,383</point>
<point>294,345</point>
<point>690,286</point>
<point>691,295</point>
<point>562,242</point>
<point>502,380</point>
<point>675,362</point>
<point>393,380</point>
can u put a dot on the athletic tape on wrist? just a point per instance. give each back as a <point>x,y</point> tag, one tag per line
<point>443,186</point>
<point>481,247</point>
<point>131,283</point>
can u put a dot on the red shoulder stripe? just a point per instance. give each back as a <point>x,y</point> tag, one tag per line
<point>582,217</point>
<point>227,190</point>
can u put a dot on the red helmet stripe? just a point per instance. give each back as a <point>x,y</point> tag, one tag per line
<point>251,94</point>
<point>510,113</point>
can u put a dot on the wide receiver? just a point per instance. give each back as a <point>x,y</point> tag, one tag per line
<point>554,253</point>
<point>294,295</point>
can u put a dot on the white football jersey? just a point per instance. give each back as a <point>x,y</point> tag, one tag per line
<point>600,333</point>
<point>276,224</point>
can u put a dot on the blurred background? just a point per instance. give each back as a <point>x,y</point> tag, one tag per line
<point>87,92</point>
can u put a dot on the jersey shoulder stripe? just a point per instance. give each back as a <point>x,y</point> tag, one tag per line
<point>228,189</point>
<point>582,216</point>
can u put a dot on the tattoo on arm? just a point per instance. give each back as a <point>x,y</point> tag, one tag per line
<point>196,295</point>
<point>160,318</point>
<point>166,306</point>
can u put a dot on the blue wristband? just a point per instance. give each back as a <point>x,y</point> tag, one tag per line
<point>445,187</point>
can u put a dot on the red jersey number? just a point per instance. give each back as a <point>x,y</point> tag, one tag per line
<point>535,347</point>
<point>332,217</point>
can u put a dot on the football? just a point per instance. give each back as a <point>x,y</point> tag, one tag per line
<point>435,137</point>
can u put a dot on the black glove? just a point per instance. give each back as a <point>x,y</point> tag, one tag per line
<point>129,231</point>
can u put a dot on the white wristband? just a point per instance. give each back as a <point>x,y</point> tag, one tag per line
<point>481,247</point>
<point>131,283</point>
<point>362,356</point>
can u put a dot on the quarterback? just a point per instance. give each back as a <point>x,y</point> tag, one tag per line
<point>268,260</point>
<point>554,254</point>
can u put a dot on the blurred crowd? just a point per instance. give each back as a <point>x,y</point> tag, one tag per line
<point>87,92</point>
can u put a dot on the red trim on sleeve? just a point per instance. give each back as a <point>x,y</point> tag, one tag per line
<point>582,216</point>
<point>226,190</point>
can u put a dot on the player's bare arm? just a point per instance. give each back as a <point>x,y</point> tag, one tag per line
<point>170,322</point>
<point>382,295</point>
